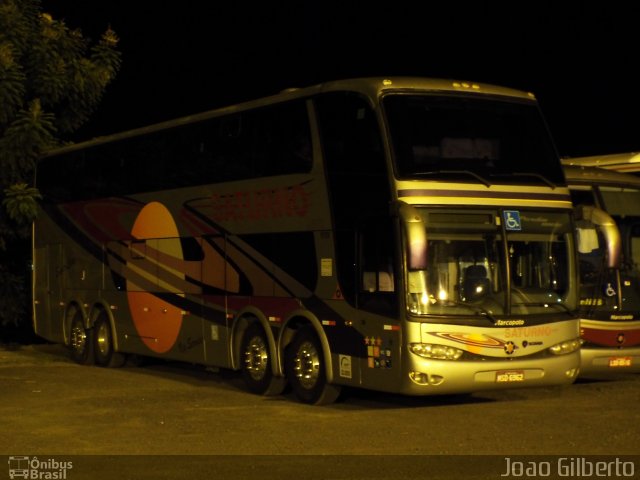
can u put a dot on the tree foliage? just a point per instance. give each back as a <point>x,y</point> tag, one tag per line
<point>51,81</point>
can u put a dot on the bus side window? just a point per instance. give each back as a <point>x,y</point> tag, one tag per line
<point>230,157</point>
<point>272,140</point>
<point>289,150</point>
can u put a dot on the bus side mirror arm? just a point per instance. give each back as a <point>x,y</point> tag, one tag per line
<point>415,235</point>
<point>609,229</point>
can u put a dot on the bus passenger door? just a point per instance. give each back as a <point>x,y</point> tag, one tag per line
<point>377,302</point>
<point>631,268</point>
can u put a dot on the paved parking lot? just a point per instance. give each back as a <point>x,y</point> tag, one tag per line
<point>51,406</point>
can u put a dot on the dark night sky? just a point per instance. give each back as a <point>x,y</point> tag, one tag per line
<point>190,56</point>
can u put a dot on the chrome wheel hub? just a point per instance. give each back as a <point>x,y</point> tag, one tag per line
<point>307,365</point>
<point>78,338</point>
<point>103,337</point>
<point>256,358</point>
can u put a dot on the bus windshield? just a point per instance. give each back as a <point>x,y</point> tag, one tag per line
<point>470,139</point>
<point>623,204</point>
<point>477,266</point>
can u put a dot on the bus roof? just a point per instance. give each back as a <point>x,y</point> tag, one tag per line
<point>374,87</point>
<point>378,86</point>
<point>579,175</point>
<point>621,162</point>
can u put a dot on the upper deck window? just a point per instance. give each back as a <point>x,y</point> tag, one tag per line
<point>263,142</point>
<point>470,138</point>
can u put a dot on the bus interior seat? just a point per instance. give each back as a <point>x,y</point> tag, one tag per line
<point>476,284</point>
<point>384,282</point>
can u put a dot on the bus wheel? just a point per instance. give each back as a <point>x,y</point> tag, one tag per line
<point>105,356</point>
<point>80,341</point>
<point>306,369</point>
<point>256,360</point>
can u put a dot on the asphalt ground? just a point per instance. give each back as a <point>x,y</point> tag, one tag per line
<point>172,420</point>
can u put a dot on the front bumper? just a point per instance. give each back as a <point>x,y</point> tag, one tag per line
<point>435,377</point>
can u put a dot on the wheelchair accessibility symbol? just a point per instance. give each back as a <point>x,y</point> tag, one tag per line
<point>609,291</point>
<point>512,220</point>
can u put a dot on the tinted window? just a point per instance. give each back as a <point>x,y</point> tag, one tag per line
<point>273,140</point>
<point>463,137</point>
<point>356,171</point>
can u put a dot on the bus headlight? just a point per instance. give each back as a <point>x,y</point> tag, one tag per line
<point>432,350</point>
<point>566,347</point>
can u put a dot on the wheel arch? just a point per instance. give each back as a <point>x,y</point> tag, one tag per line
<point>295,321</point>
<point>100,308</point>
<point>242,321</point>
<point>73,307</point>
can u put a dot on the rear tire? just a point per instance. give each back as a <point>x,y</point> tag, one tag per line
<point>306,369</point>
<point>80,341</point>
<point>105,355</point>
<point>257,363</point>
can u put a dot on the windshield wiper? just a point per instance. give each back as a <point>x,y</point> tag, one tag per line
<point>482,180</point>
<point>545,304</point>
<point>527,174</point>
<point>479,311</point>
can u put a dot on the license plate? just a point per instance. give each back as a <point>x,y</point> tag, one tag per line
<point>619,362</point>
<point>511,376</point>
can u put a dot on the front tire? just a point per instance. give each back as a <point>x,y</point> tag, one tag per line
<point>306,369</point>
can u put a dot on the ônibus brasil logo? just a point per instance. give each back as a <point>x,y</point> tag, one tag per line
<point>34,468</point>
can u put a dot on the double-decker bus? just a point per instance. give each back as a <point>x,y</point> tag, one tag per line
<point>609,254</point>
<point>405,235</point>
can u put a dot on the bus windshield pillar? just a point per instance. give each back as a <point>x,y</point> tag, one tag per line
<point>415,236</point>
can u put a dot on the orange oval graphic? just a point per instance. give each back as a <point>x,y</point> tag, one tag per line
<point>157,321</point>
